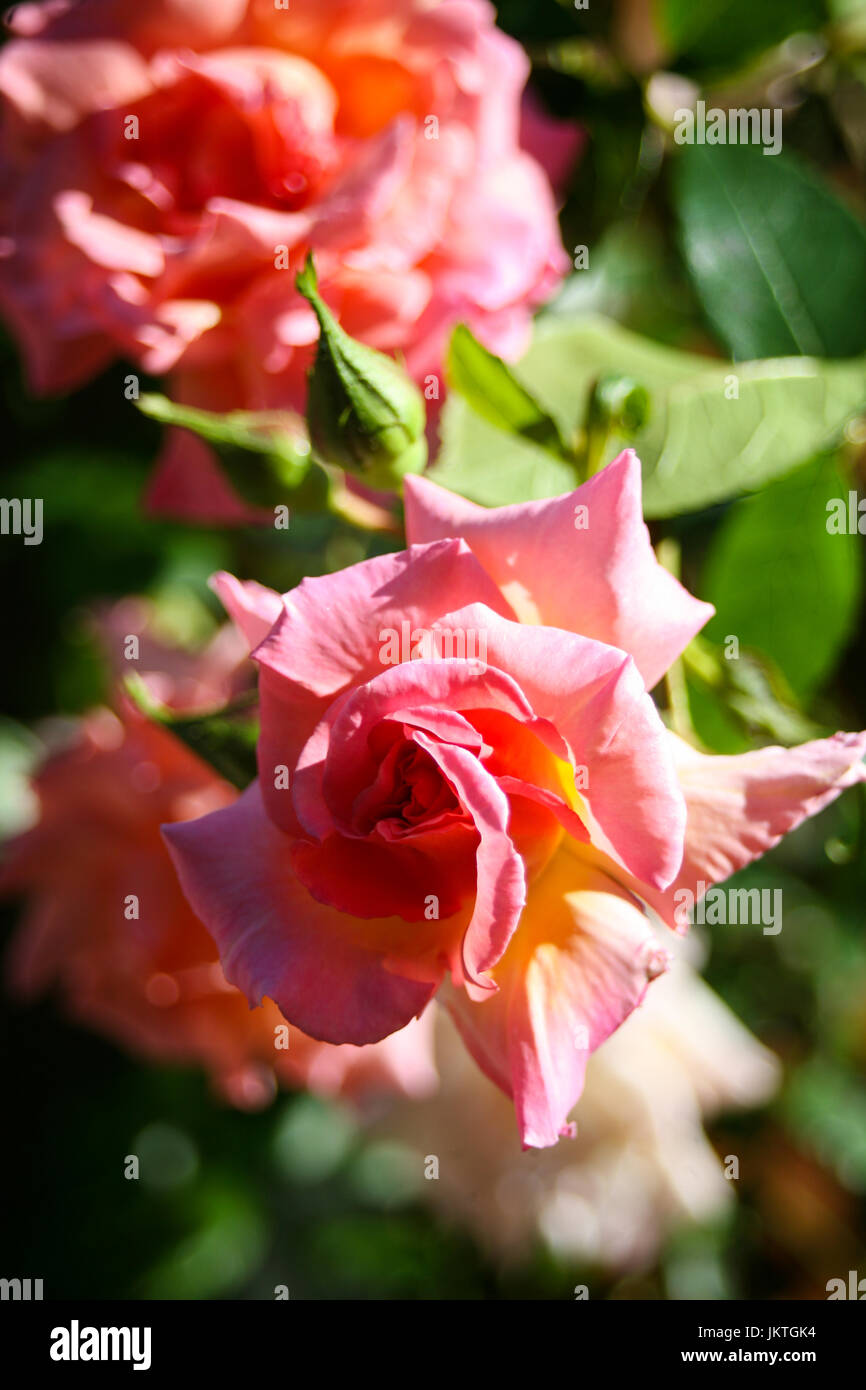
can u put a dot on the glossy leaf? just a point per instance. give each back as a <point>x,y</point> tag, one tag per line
<point>757,233</point>
<point>493,391</point>
<point>781,582</point>
<point>712,35</point>
<point>714,430</point>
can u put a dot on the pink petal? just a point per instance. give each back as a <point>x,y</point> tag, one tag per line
<point>363,194</point>
<point>252,607</point>
<point>329,636</point>
<point>372,878</point>
<point>58,84</point>
<point>500,891</point>
<point>106,242</point>
<point>403,1062</point>
<point>158,24</point>
<point>254,75</point>
<point>592,696</point>
<point>396,694</point>
<point>186,21</point>
<point>740,807</point>
<point>328,639</point>
<point>366,877</point>
<point>406,1059</point>
<point>578,966</point>
<point>275,940</point>
<point>602,581</point>
<point>525,260</point>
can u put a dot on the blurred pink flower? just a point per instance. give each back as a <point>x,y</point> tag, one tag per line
<point>146,972</point>
<point>461,773</point>
<point>165,169</point>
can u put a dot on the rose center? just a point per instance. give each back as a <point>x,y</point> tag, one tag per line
<point>409,792</point>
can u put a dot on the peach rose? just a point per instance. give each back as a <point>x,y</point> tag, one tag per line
<point>465,788</point>
<point>166,167</point>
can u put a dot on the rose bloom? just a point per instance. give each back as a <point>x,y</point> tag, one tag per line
<point>641,1165</point>
<point>465,787</point>
<point>165,168</point>
<point>148,975</point>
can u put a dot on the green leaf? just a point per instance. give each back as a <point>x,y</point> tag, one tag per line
<point>259,432</point>
<point>714,724</point>
<point>777,545</point>
<point>825,1107</point>
<point>778,261</point>
<point>715,447</point>
<point>264,453</point>
<point>220,738</point>
<point>221,1252</point>
<point>713,34</point>
<point>636,278</point>
<point>735,696</point>
<point>701,444</point>
<point>494,393</point>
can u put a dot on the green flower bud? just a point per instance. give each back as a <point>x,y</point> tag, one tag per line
<point>619,403</point>
<point>363,411</point>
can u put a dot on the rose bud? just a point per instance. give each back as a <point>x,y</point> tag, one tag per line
<point>363,411</point>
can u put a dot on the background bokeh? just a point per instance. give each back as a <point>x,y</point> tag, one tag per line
<point>304,1194</point>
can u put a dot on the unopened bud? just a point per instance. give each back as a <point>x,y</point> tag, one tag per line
<point>363,411</point>
<point>618,403</point>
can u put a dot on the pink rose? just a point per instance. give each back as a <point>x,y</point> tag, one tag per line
<point>155,159</point>
<point>465,787</point>
<point>108,927</point>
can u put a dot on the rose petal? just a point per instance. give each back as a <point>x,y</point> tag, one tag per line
<point>58,84</point>
<point>500,879</point>
<point>592,696</point>
<point>251,606</point>
<point>602,581</point>
<point>739,807</point>
<point>276,941</point>
<point>579,965</point>
<point>330,638</point>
